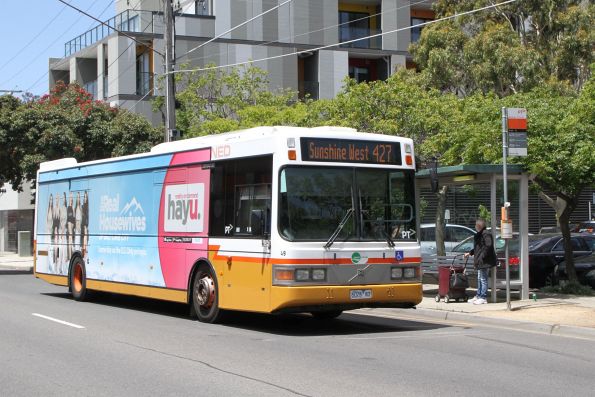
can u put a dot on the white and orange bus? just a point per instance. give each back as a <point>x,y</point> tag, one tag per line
<point>270,219</point>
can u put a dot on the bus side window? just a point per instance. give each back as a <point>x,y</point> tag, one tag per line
<point>237,188</point>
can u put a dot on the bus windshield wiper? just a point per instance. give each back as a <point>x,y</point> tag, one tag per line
<point>389,240</point>
<point>340,226</point>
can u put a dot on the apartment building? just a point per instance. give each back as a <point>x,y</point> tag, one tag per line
<point>125,72</point>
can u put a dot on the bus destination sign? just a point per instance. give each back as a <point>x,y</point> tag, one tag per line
<point>348,151</point>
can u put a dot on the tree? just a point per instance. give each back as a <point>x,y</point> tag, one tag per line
<point>211,101</point>
<point>561,151</point>
<point>560,143</point>
<point>66,123</point>
<point>508,49</point>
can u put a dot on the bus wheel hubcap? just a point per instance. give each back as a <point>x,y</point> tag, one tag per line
<point>205,293</point>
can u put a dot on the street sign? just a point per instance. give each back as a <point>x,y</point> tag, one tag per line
<point>516,126</point>
<point>517,119</point>
<point>517,143</point>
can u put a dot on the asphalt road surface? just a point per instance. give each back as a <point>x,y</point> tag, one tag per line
<point>120,346</point>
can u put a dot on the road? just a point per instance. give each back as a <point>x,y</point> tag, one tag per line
<point>116,346</point>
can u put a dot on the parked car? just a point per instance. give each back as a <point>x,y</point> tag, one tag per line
<point>454,234</point>
<point>513,254</point>
<point>585,270</point>
<point>545,253</point>
<point>585,227</point>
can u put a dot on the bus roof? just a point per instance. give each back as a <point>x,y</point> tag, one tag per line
<point>251,135</point>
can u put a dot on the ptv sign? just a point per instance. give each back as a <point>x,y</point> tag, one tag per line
<point>516,125</point>
<point>517,119</point>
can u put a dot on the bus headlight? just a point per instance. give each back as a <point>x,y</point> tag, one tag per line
<point>409,272</point>
<point>302,274</point>
<point>396,273</point>
<point>318,274</point>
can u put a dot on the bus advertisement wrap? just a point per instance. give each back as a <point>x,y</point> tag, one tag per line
<point>108,225</point>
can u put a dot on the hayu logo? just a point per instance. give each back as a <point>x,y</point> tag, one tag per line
<point>184,207</point>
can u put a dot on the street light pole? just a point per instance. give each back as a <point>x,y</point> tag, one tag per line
<point>505,178</point>
<point>170,104</point>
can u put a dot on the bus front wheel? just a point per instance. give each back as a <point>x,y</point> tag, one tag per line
<point>205,296</point>
<point>78,280</point>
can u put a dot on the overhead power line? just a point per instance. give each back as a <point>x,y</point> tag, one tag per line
<point>111,27</point>
<point>31,62</point>
<point>36,83</point>
<point>281,40</point>
<point>23,48</point>
<point>348,41</point>
<point>234,28</point>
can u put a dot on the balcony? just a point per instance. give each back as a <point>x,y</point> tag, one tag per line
<point>348,33</point>
<point>128,21</point>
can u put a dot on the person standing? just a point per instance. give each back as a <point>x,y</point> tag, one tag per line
<point>484,257</point>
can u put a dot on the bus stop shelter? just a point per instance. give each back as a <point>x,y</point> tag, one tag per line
<point>491,175</point>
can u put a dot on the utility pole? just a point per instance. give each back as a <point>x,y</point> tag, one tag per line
<point>170,100</point>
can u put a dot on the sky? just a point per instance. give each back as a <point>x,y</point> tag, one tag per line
<point>30,36</point>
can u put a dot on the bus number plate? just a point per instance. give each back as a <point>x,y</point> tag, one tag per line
<point>360,294</point>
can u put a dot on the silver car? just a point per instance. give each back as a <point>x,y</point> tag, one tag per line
<point>454,234</point>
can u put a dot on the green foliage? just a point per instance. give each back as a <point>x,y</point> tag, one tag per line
<point>65,123</point>
<point>569,288</point>
<point>507,49</point>
<point>485,214</point>
<point>214,100</point>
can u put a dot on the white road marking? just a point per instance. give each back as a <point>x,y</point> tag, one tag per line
<point>58,321</point>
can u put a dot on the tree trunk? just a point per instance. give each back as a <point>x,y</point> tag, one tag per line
<point>440,221</point>
<point>564,218</point>
<point>564,206</point>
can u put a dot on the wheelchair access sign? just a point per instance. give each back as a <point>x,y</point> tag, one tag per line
<point>399,255</point>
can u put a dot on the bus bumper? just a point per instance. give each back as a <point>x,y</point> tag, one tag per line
<point>340,297</point>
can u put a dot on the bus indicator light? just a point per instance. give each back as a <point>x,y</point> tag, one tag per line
<point>284,274</point>
<point>291,155</point>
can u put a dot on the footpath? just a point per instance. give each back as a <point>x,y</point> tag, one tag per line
<point>556,314</point>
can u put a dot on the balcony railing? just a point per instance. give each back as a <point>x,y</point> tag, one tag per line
<point>126,21</point>
<point>347,33</point>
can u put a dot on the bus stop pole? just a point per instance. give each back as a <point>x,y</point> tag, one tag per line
<point>504,176</point>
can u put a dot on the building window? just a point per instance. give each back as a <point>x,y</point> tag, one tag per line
<point>416,31</point>
<point>144,76</point>
<point>203,7</point>
<point>354,25</point>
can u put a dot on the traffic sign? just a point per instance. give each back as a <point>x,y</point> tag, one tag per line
<point>517,119</point>
<point>517,143</point>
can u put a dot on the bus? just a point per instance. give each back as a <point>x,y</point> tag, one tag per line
<point>269,219</point>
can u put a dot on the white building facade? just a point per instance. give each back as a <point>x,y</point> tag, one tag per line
<point>125,73</point>
<point>16,215</point>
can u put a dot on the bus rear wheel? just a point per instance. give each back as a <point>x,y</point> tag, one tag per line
<point>78,280</point>
<point>205,297</point>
